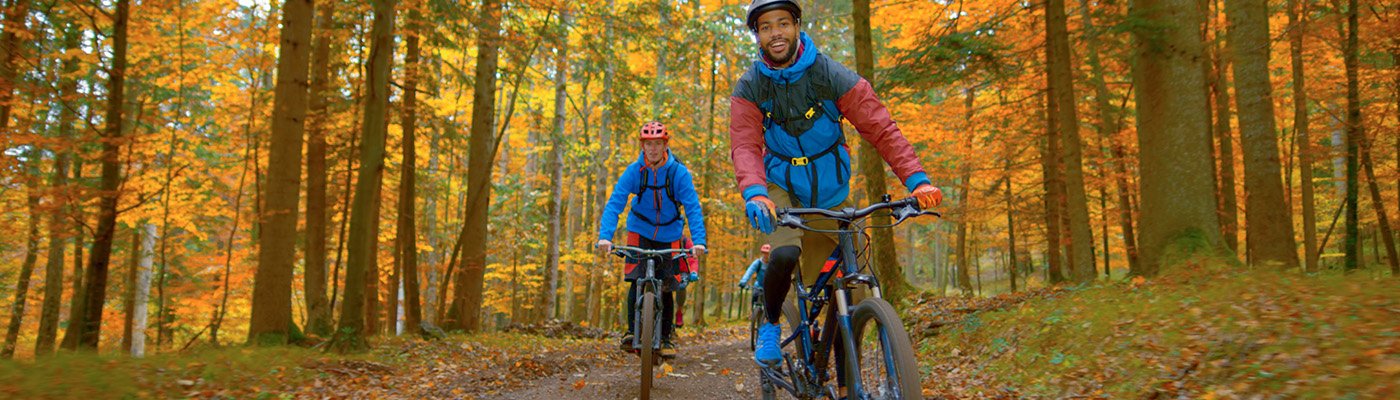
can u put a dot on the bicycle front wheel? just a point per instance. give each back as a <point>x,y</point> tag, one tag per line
<point>884,354</point>
<point>645,338</point>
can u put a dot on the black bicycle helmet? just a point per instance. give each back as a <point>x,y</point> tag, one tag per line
<point>758,7</point>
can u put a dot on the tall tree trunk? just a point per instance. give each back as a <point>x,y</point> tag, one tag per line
<point>129,297</point>
<point>1054,191</point>
<point>1353,139</point>
<point>271,319</point>
<point>10,48</point>
<point>142,291</point>
<point>163,334</point>
<point>556,165</point>
<point>75,301</point>
<point>1228,203</point>
<point>407,226</point>
<point>1268,222</point>
<point>872,167</point>
<point>1109,127</point>
<point>362,245</point>
<point>466,306</point>
<point>1012,268</point>
<point>95,284</point>
<point>1062,93</point>
<point>372,301</point>
<point>965,200</point>
<point>53,272</point>
<point>31,257</point>
<point>318,310</point>
<point>1296,26</point>
<point>1378,203</point>
<point>1178,214</point>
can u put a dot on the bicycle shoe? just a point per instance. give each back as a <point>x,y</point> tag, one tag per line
<point>768,352</point>
<point>668,349</point>
<point>626,344</point>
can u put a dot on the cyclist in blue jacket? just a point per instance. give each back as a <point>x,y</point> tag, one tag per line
<point>756,268</point>
<point>663,187</point>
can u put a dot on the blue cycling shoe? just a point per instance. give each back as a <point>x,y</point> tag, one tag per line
<point>768,351</point>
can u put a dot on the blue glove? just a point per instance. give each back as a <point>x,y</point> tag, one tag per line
<point>693,277</point>
<point>760,212</point>
<point>682,284</point>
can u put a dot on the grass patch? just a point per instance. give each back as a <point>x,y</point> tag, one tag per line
<point>1206,329</point>
<point>241,372</point>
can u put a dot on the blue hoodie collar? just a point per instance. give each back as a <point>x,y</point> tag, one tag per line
<point>794,72</point>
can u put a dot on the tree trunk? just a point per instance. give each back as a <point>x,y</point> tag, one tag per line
<point>95,284</point>
<point>1178,213</point>
<point>53,272</point>
<point>1300,126</point>
<point>1378,203</point>
<point>75,301</point>
<point>1228,203</point>
<point>1268,222</point>
<point>1010,223</point>
<point>1050,167</point>
<point>10,48</point>
<point>272,287</point>
<point>318,310</point>
<point>556,167</point>
<point>222,310</point>
<point>965,200</point>
<point>465,313</point>
<point>1353,139</point>
<point>872,167</point>
<point>1062,93</point>
<point>129,297</point>
<point>1109,127</point>
<point>31,257</point>
<point>407,226</point>
<point>142,291</point>
<point>362,245</point>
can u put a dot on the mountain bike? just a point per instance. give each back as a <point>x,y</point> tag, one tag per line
<point>647,341</point>
<point>874,354</point>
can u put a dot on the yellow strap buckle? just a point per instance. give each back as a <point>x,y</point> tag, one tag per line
<point>800,161</point>
<point>810,112</point>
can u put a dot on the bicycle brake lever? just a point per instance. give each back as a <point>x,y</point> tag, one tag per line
<point>791,221</point>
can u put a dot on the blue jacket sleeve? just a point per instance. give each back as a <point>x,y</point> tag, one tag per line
<point>626,185</point>
<point>753,267</point>
<point>685,193</point>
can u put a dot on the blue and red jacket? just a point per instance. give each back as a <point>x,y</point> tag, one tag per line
<point>785,128</point>
<point>656,208</point>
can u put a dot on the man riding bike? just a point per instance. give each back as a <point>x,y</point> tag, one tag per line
<point>663,186</point>
<point>757,268</point>
<point>788,149</point>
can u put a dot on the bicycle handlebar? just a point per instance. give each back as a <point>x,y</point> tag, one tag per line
<point>637,252</point>
<point>901,210</point>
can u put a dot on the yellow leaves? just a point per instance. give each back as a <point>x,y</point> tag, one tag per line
<point>579,384</point>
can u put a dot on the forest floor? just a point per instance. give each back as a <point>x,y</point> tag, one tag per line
<point>1201,331</point>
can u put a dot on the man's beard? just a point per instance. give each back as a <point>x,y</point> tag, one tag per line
<point>791,51</point>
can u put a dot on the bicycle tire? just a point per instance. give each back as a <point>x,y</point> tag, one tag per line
<point>756,318</point>
<point>646,338</point>
<point>890,371</point>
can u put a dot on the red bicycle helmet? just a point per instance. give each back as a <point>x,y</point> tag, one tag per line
<point>766,248</point>
<point>655,130</point>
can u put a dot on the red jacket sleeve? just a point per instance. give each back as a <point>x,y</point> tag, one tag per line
<point>873,121</point>
<point>746,143</point>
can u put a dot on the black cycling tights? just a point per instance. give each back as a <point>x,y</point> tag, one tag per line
<point>778,280</point>
<point>668,311</point>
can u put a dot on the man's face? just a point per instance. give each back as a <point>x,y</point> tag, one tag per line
<point>777,36</point>
<point>654,149</point>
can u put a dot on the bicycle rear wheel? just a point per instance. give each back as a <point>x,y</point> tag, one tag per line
<point>646,338</point>
<point>884,354</point>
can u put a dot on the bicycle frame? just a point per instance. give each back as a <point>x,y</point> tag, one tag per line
<point>831,283</point>
<point>810,304</point>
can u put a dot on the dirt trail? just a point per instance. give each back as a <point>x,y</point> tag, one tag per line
<point>714,364</point>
